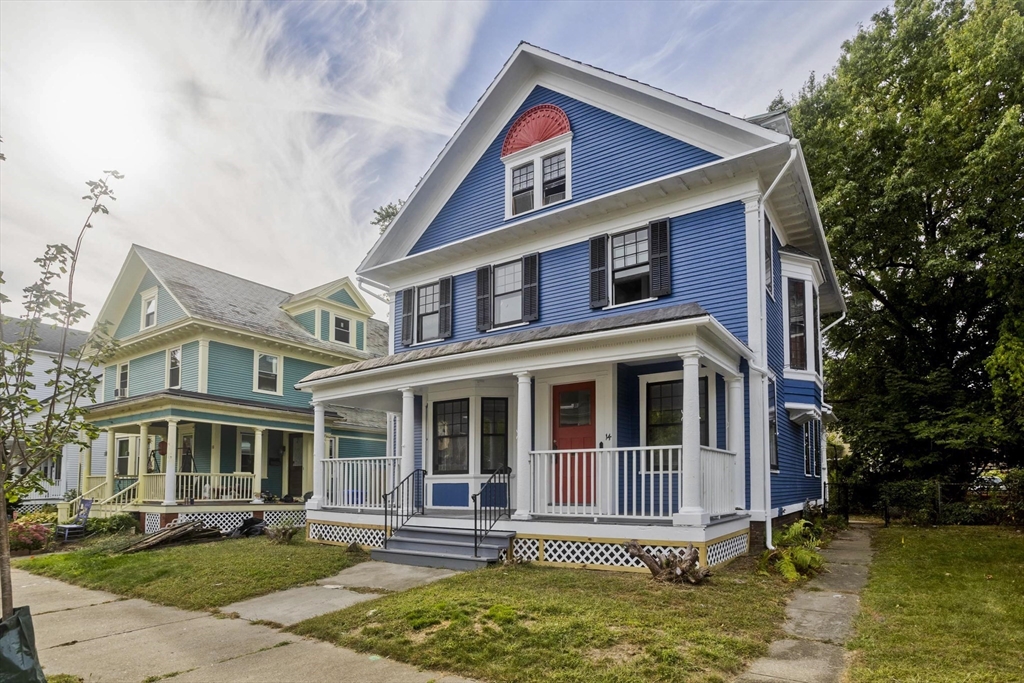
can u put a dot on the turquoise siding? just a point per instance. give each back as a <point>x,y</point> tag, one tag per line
<point>190,366</point>
<point>307,320</point>
<point>325,325</point>
<point>147,374</point>
<point>167,309</point>
<point>348,447</point>
<point>109,381</point>
<point>343,297</point>
<point>360,333</point>
<point>202,445</point>
<point>228,447</point>
<point>608,153</point>
<point>231,371</point>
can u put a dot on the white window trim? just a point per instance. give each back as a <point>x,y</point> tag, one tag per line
<point>534,154</point>
<point>117,379</point>
<point>773,384</point>
<point>611,267</point>
<point>705,373</point>
<point>416,341</point>
<point>801,268</point>
<point>167,366</point>
<point>238,447</point>
<point>147,296</point>
<point>769,275</point>
<point>351,329</point>
<point>256,372</point>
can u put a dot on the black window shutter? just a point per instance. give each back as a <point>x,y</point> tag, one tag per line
<point>531,287</point>
<point>444,311</point>
<point>661,266</point>
<point>483,298</point>
<point>599,271</point>
<point>408,315</point>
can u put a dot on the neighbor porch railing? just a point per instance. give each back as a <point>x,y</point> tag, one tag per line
<point>199,486</point>
<point>634,482</point>
<point>359,482</point>
<point>54,490</point>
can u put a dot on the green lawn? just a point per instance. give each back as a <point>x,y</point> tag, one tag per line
<point>530,623</point>
<point>199,576</point>
<point>943,605</point>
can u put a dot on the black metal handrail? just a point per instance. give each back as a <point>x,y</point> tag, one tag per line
<point>486,516</point>
<point>402,502</point>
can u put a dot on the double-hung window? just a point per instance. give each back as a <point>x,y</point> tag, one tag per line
<point>631,267</point>
<point>426,313</point>
<point>493,434</point>
<point>773,428</point>
<point>554,178</point>
<point>247,452</point>
<point>508,293</point>
<point>797,325</point>
<point>268,373</point>
<point>428,308</point>
<point>342,332</point>
<point>121,390</point>
<point>174,368</point>
<point>451,437</point>
<point>522,188</point>
<point>149,311</point>
<point>810,446</point>
<point>664,401</point>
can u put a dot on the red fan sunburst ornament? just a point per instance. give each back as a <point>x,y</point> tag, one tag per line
<point>537,124</point>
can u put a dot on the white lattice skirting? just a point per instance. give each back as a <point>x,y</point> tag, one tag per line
<point>225,521</point>
<point>730,548</point>
<point>152,522</point>
<point>337,533</point>
<point>26,508</point>
<point>293,517</point>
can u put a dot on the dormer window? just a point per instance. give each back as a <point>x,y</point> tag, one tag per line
<point>537,146</point>
<point>342,330</point>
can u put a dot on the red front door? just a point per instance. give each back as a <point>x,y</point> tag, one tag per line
<point>573,430</point>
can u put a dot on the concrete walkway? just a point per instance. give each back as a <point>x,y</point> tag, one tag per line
<point>103,637</point>
<point>820,618</point>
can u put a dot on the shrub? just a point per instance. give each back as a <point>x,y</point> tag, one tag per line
<point>796,551</point>
<point>122,521</point>
<point>39,517</point>
<point>1014,483</point>
<point>70,495</point>
<point>28,536</point>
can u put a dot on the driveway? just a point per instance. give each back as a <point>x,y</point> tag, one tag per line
<point>103,637</point>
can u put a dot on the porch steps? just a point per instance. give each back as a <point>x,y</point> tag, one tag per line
<point>425,546</point>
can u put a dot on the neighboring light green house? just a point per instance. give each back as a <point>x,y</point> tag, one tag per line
<point>208,363</point>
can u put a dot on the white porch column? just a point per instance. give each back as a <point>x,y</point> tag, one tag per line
<point>408,434</point>
<point>84,462</point>
<point>171,464</point>
<point>319,443</point>
<point>524,438</point>
<point>111,461</point>
<point>734,413</point>
<point>143,454</point>
<point>691,512</point>
<point>257,466</point>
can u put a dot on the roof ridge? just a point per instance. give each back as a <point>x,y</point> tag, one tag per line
<point>215,270</point>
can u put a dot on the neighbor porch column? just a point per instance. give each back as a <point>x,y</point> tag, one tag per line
<point>257,467</point>
<point>143,454</point>
<point>691,511</point>
<point>85,462</point>
<point>171,464</point>
<point>524,439</point>
<point>319,443</point>
<point>111,461</point>
<point>408,438</point>
<point>734,415</point>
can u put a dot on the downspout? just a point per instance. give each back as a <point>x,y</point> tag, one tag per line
<point>762,369</point>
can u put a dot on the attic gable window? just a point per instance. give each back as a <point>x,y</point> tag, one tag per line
<point>342,331</point>
<point>149,309</point>
<point>538,146</point>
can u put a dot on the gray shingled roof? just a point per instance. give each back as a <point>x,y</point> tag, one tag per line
<point>520,336</point>
<point>49,335</point>
<point>218,297</point>
<point>790,249</point>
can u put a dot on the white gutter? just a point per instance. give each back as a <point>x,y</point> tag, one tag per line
<point>766,438</point>
<point>833,323</point>
<point>361,282</point>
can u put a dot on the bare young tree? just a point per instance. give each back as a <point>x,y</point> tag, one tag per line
<point>40,416</point>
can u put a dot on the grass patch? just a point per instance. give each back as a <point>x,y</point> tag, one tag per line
<point>942,605</point>
<point>531,623</point>
<point>201,576</point>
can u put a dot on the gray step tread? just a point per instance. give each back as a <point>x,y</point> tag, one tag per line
<point>413,538</point>
<point>413,557</point>
<point>434,547</point>
<point>455,532</point>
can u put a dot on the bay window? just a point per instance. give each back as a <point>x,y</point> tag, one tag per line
<point>797,325</point>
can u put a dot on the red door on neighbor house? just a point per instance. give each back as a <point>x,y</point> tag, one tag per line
<point>573,430</point>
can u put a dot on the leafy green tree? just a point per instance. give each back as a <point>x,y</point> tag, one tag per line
<point>40,416</point>
<point>915,144</point>
<point>382,216</point>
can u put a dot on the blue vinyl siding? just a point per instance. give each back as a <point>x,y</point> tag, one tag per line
<point>231,372</point>
<point>325,325</point>
<point>361,447</point>
<point>608,152</point>
<point>190,366</point>
<point>109,382</point>
<point>343,297</point>
<point>308,321</point>
<point>799,391</point>
<point>721,435</point>
<point>360,334</point>
<point>708,268</point>
<point>147,374</point>
<point>450,495</point>
<point>167,309</point>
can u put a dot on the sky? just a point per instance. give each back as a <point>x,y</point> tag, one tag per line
<point>257,138</point>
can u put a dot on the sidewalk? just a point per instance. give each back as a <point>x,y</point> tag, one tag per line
<point>820,618</point>
<point>103,637</point>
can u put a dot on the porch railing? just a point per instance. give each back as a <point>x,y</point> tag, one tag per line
<point>199,486</point>
<point>402,502</point>
<point>718,472</point>
<point>359,482</point>
<point>634,482</point>
<point>491,504</point>
<point>120,500</point>
<point>51,491</point>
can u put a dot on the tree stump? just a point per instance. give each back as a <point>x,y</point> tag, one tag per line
<point>281,534</point>
<point>670,566</point>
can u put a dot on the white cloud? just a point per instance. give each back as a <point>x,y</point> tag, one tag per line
<point>254,138</point>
